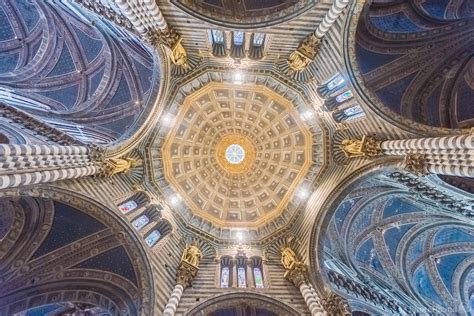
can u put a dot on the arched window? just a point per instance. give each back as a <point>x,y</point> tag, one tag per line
<point>257,271</point>
<point>257,46</point>
<point>258,277</point>
<point>237,49</point>
<point>225,277</point>
<point>349,114</point>
<point>238,38</point>
<point>217,39</point>
<point>241,278</point>
<point>217,36</point>
<point>153,238</point>
<point>344,96</point>
<point>333,101</point>
<point>128,206</point>
<point>258,39</point>
<point>140,222</point>
<point>335,83</point>
<point>226,272</point>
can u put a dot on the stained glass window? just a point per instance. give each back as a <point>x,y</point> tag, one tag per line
<point>238,38</point>
<point>241,277</point>
<point>217,36</point>
<point>353,110</point>
<point>336,82</point>
<point>344,96</point>
<point>140,222</point>
<point>225,277</point>
<point>257,274</point>
<point>153,238</point>
<point>258,39</point>
<point>128,206</point>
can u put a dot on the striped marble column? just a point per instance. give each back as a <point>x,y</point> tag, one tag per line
<point>144,14</point>
<point>312,301</point>
<point>32,164</point>
<point>173,301</point>
<point>337,7</point>
<point>450,155</point>
<point>186,272</point>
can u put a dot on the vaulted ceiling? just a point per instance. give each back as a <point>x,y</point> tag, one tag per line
<point>75,71</point>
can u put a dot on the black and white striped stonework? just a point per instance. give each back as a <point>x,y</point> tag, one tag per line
<point>450,155</point>
<point>31,164</point>
<point>144,15</point>
<point>332,15</point>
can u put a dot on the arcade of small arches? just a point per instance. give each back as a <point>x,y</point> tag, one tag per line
<point>220,158</point>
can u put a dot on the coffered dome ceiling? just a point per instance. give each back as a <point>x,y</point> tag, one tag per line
<point>245,13</point>
<point>236,154</point>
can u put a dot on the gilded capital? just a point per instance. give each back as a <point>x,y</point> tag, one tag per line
<point>298,274</point>
<point>365,147</point>
<point>417,164</point>
<point>186,273</point>
<point>288,258</point>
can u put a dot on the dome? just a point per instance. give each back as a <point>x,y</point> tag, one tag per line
<point>236,153</point>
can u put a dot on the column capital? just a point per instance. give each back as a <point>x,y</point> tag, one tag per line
<point>416,164</point>
<point>298,274</point>
<point>296,271</point>
<point>336,305</point>
<point>96,153</point>
<point>186,273</point>
<point>167,36</point>
<point>172,39</point>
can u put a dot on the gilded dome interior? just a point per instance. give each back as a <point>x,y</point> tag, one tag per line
<point>262,127</point>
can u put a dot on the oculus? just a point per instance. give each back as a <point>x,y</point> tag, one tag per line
<point>234,154</point>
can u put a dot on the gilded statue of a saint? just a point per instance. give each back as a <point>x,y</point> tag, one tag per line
<point>179,56</point>
<point>192,255</point>
<point>118,165</point>
<point>288,258</point>
<point>366,147</point>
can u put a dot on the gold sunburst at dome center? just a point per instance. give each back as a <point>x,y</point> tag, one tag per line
<point>245,144</point>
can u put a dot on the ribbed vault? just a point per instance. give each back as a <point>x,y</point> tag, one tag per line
<point>405,247</point>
